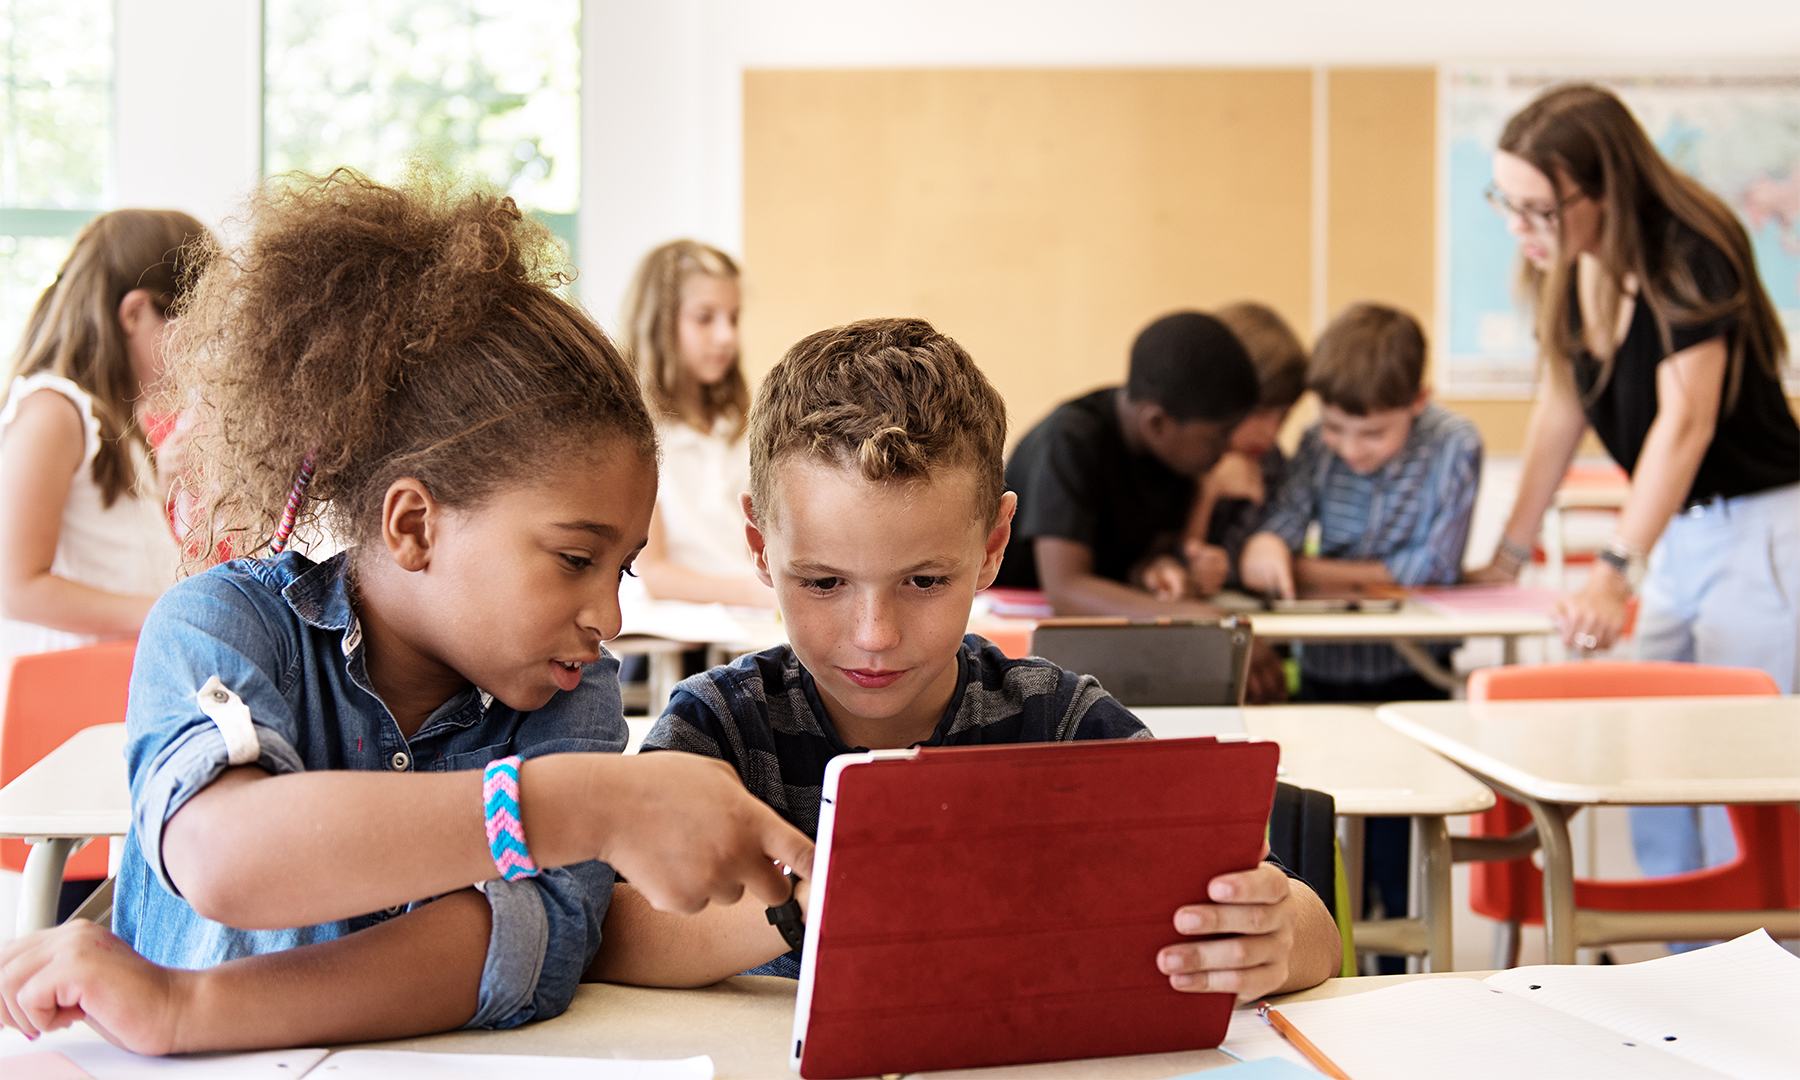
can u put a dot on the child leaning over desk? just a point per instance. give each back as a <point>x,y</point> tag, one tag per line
<point>877,510</point>
<point>1389,476</point>
<point>1234,494</point>
<point>324,756</point>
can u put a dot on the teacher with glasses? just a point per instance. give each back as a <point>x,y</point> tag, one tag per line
<point>1655,330</point>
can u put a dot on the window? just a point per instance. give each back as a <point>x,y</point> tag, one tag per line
<point>484,87</point>
<point>56,138</point>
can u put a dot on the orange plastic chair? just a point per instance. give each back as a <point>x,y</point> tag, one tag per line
<point>49,697</point>
<point>1765,875</point>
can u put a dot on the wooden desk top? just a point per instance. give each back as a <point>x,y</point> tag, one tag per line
<point>1367,767</point>
<point>79,789</point>
<point>1620,750</point>
<point>1411,623</point>
<point>744,1024</point>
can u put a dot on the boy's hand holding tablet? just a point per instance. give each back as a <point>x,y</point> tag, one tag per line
<point>1268,913</point>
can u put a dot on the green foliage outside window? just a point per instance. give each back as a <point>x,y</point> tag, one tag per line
<point>487,88</point>
<point>56,138</point>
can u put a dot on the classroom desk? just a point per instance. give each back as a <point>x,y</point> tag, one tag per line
<point>78,792</point>
<point>1558,756</point>
<point>1406,630</point>
<point>1370,771</point>
<point>744,1024</point>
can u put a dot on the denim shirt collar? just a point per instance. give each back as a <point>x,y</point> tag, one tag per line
<point>320,596</point>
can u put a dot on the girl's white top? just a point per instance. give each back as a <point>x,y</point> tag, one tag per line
<point>127,547</point>
<point>702,476</point>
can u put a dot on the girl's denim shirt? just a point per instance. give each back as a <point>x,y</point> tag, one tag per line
<point>282,635</point>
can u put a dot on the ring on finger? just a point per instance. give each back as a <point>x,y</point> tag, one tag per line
<point>1587,641</point>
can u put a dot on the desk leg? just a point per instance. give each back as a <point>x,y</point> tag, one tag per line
<point>1431,854</point>
<point>665,672</point>
<point>1350,845</point>
<point>1559,879</point>
<point>43,882</point>
<point>1427,666</point>
<point>1509,649</point>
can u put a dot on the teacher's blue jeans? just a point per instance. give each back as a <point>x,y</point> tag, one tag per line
<point>1723,588</point>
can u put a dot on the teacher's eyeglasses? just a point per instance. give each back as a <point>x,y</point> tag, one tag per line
<point>1537,218</point>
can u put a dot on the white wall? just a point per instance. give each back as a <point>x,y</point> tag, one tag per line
<point>662,108</point>
<point>664,89</point>
<point>189,101</point>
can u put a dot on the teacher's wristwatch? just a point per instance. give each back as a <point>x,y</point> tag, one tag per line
<point>1624,558</point>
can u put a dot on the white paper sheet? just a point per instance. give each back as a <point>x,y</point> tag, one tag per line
<point>1250,1038</point>
<point>1469,1030</point>
<point>1733,1007</point>
<point>104,1061</point>
<point>407,1065</point>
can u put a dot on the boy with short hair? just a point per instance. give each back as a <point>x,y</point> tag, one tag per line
<point>878,509</point>
<point>1107,481</point>
<point>1234,494</point>
<point>1390,478</point>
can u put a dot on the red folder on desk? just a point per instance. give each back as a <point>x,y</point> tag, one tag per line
<point>1002,905</point>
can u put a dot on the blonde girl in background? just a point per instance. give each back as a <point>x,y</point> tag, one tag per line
<point>85,543</point>
<point>681,330</point>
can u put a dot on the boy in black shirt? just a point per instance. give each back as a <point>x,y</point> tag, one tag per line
<point>1107,481</point>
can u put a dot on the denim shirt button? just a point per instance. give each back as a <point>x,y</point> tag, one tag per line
<point>395,910</point>
<point>400,761</point>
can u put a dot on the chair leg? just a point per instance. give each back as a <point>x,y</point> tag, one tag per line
<point>1506,944</point>
<point>97,908</point>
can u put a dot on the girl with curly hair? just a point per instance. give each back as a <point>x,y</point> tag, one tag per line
<point>324,756</point>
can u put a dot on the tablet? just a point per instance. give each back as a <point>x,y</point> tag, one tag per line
<point>1153,662</point>
<point>1000,905</point>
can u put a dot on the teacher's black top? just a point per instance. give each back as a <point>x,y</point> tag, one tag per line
<point>1756,445</point>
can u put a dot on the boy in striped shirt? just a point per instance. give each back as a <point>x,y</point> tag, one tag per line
<point>1389,476</point>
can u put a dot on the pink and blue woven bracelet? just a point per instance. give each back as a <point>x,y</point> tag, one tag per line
<point>506,836</point>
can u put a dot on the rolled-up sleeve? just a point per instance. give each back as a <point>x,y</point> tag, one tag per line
<point>1435,555</point>
<point>545,930</point>
<point>545,933</point>
<point>174,750</point>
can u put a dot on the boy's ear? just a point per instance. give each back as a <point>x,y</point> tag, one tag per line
<point>409,519</point>
<point>759,551</point>
<point>1419,402</point>
<point>1153,420</point>
<point>997,540</point>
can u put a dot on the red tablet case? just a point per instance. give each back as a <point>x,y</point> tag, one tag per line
<point>1004,905</point>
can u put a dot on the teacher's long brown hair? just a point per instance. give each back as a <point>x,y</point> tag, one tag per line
<point>1584,134</point>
